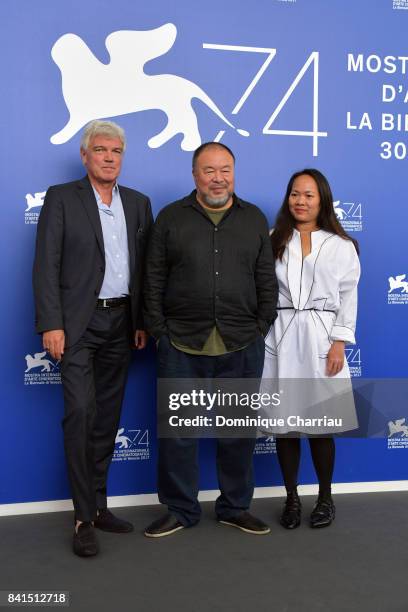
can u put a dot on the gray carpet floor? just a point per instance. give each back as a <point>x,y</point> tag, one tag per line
<point>359,564</point>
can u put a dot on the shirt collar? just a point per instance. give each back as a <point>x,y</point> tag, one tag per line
<point>191,200</point>
<point>115,191</point>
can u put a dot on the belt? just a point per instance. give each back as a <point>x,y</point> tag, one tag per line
<point>112,302</point>
<point>300,309</point>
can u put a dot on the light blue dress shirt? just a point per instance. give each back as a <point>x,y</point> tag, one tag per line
<point>113,221</point>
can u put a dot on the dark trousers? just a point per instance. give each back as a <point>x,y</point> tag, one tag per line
<point>178,473</point>
<point>94,372</point>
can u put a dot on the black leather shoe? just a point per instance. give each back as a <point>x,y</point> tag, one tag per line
<point>84,542</point>
<point>164,526</point>
<point>248,523</point>
<point>323,513</point>
<point>109,522</point>
<point>290,518</point>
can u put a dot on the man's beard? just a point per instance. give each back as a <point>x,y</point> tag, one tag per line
<point>216,202</point>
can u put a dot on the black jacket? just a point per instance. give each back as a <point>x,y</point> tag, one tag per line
<point>199,275</point>
<point>69,264</point>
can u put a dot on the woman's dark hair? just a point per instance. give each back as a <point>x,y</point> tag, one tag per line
<point>326,220</point>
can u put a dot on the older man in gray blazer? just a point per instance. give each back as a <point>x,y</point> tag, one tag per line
<point>87,284</point>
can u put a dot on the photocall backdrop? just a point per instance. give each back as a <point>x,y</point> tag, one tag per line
<point>312,83</point>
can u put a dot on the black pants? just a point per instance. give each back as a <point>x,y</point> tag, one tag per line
<point>178,474</point>
<point>94,372</point>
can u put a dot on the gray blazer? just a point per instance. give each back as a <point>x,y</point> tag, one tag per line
<point>69,263</point>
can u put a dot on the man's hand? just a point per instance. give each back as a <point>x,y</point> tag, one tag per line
<point>140,339</point>
<point>335,358</point>
<point>54,342</point>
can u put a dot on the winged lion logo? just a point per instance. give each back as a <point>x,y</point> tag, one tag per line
<point>94,90</point>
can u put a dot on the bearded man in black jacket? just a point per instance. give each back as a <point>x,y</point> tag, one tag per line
<point>210,298</point>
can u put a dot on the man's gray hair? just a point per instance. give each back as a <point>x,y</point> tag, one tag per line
<point>102,128</point>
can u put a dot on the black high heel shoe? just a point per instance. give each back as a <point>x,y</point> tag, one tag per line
<point>323,513</point>
<point>290,518</point>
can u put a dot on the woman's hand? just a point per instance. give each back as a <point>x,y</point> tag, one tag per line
<point>335,358</point>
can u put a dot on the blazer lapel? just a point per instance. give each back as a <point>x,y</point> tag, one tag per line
<point>129,210</point>
<point>88,199</point>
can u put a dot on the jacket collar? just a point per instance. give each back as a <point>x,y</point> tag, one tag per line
<point>89,201</point>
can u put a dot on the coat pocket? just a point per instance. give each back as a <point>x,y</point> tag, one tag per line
<point>324,322</point>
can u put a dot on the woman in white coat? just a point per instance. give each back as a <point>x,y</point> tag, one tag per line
<point>318,269</point>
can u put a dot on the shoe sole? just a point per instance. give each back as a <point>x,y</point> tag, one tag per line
<point>285,526</point>
<point>264,532</point>
<point>163,534</point>
<point>321,526</point>
<point>87,554</point>
<point>113,530</point>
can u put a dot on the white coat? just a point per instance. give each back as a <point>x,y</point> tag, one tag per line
<point>317,305</point>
